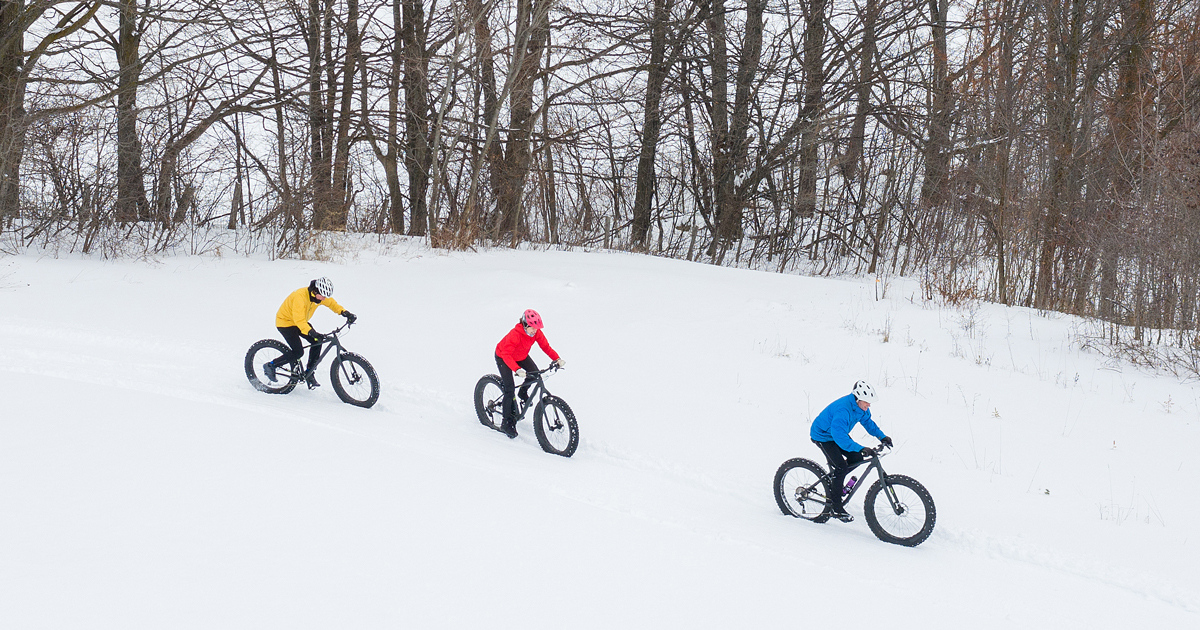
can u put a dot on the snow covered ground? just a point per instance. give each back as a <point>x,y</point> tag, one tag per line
<point>145,484</point>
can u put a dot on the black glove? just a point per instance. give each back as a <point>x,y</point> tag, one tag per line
<point>867,452</point>
<point>315,336</point>
<point>350,317</point>
<point>887,441</point>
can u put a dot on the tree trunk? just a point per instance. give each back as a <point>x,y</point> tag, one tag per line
<point>341,166</point>
<point>237,209</point>
<point>719,145</point>
<point>814,99</point>
<point>417,157</point>
<point>1133,102</point>
<point>656,76</point>
<point>937,146</point>
<point>1063,34</point>
<point>493,152</point>
<point>533,29</point>
<point>321,162</point>
<point>730,225</point>
<point>287,204</point>
<point>12,107</point>
<point>131,204</point>
<point>866,80</point>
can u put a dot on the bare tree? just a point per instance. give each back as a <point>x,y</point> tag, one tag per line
<point>656,76</point>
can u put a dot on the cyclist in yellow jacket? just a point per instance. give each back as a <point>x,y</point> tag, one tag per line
<point>292,322</point>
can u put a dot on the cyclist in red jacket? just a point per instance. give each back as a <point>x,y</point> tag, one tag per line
<point>512,356</point>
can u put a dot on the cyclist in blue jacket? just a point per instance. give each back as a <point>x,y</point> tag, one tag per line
<point>831,433</point>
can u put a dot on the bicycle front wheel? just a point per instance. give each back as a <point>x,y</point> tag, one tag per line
<point>801,488</point>
<point>489,401</point>
<point>904,515</point>
<point>354,380</point>
<point>555,427</point>
<point>266,351</point>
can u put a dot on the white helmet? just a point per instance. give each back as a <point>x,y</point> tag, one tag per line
<point>864,391</point>
<point>322,286</point>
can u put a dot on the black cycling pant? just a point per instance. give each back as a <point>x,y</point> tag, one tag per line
<point>507,383</point>
<point>293,336</point>
<point>840,463</point>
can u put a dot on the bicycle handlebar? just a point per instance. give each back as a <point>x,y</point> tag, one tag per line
<point>552,368</point>
<point>335,331</point>
<point>882,449</point>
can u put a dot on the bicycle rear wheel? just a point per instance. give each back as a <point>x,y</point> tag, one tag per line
<point>555,426</point>
<point>489,401</point>
<point>907,521</point>
<point>354,380</point>
<point>801,488</point>
<point>260,354</point>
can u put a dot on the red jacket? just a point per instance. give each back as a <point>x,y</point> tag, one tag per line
<point>516,344</point>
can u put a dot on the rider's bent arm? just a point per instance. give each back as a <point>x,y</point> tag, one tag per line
<point>873,429</point>
<point>545,346</point>
<point>333,305</point>
<point>839,428</point>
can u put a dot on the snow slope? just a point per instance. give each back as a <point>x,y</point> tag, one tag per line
<point>145,484</point>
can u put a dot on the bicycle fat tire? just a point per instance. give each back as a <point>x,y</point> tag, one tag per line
<point>555,426</point>
<point>802,481</point>
<point>489,401</point>
<point>268,350</point>
<point>909,528</point>
<point>347,373</point>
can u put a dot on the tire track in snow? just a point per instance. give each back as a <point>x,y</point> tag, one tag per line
<point>114,361</point>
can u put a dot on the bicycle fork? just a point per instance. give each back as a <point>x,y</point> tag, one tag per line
<point>897,507</point>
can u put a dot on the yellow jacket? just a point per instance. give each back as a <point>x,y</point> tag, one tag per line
<point>297,309</point>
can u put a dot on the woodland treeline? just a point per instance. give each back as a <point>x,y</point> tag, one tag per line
<point>1042,153</point>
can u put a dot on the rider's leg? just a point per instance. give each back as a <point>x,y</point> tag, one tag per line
<point>314,355</point>
<point>530,368</point>
<point>310,376</point>
<point>291,334</point>
<point>509,424</point>
<point>840,463</point>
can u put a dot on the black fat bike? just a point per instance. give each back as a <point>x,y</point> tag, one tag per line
<point>903,515</point>
<point>553,421</point>
<point>352,376</point>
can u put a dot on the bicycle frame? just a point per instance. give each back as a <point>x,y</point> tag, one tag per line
<point>536,391</point>
<point>872,464</point>
<point>331,341</point>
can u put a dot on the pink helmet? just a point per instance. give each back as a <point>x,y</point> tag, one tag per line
<point>531,318</point>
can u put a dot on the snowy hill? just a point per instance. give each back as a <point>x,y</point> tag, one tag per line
<point>145,484</point>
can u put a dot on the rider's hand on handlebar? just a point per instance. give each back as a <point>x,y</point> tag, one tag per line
<point>350,317</point>
<point>315,336</point>
<point>520,373</point>
<point>560,363</point>
<point>887,441</point>
<point>867,451</point>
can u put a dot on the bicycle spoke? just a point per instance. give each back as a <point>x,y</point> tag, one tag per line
<point>353,383</point>
<point>800,490</point>
<point>903,515</point>
<point>553,427</point>
<point>354,380</point>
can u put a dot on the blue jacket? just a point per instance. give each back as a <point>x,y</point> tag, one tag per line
<point>835,422</point>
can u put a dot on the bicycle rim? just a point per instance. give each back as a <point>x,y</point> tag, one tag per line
<point>489,401</point>
<point>906,518</point>
<point>556,428</point>
<point>354,380</point>
<point>803,493</point>
<point>285,376</point>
